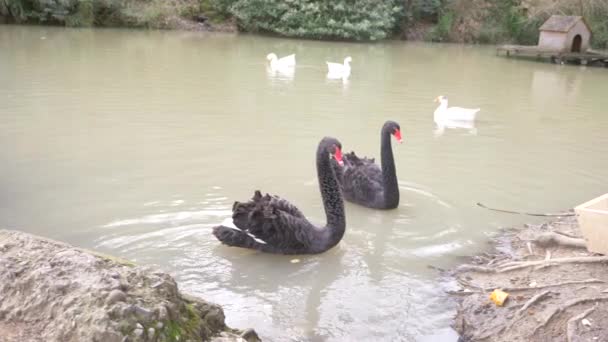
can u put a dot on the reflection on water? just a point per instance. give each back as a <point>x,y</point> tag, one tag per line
<point>284,74</point>
<point>137,143</point>
<point>441,125</point>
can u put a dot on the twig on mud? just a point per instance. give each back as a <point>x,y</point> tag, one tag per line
<point>510,266</point>
<point>564,233</point>
<point>588,281</point>
<point>465,283</point>
<point>515,265</point>
<point>534,299</point>
<point>565,307</point>
<point>461,293</point>
<point>530,248</point>
<point>473,268</point>
<point>524,213</point>
<point>552,239</point>
<point>571,325</point>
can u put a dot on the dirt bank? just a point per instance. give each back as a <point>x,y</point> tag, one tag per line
<point>52,291</point>
<point>558,291</point>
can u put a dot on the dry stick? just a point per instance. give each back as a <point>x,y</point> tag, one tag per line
<point>473,268</point>
<point>571,325</point>
<point>533,300</point>
<point>530,248</point>
<point>461,293</point>
<point>523,264</point>
<point>550,239</point>
<point>538,297</point>
<point>588,281</point>
<point>566,306</point>
<point>524,213</point>
<point>465,283</point>
<point>515,265</point>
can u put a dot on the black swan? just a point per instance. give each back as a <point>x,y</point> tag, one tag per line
<point>273,225</point>
<point>364,182</point>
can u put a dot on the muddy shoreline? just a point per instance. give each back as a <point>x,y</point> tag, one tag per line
<point>557,290</point>
<point>52,291</point>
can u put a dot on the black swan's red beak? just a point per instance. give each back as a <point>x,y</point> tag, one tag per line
<point>338,156</point>
<point>398,136</point>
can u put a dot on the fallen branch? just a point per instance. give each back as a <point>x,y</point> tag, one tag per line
<point>552,239</point>
<point>534,299</point>
<point>510,266</point>
<point>465,283</point>
<point>461,293</point>
<point>538,297</point>
<point>588,281</point>
<point>473,268</point>
<point>478,289</point>
<point>564,233</point>
<point>524,213</point>
<point>565,307</point>
<point>515,265</point>
<point>530,248</point>
<point>571,325</point>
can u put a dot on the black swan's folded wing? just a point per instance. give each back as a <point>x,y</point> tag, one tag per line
<point>273,220</point>
<point>362,179</point>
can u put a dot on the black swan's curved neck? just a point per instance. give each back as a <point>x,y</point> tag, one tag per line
<point>332,198</point>
<point>389,175</point>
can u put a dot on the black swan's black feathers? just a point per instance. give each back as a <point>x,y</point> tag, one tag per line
<point>364,182</point>
<point>272,224</point>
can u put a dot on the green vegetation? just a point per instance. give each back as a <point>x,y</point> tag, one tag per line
<point>512,21</point>
<point>130,13</point>
<point>468,21</point>
<point>441,31</point>
<point>335,19</point>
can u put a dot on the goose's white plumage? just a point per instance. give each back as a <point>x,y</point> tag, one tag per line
<point>281,63</point>
<point>337,70</point>
<point>444,113</point>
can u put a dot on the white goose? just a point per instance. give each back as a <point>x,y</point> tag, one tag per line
<point>443,113</point>
<point>281,63</point>
<point>337,70</point>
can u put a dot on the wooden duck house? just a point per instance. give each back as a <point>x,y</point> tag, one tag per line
<point>564,33</point>
<point>563,39</point>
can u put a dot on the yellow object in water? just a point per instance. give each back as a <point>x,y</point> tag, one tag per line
<point>498,297</point>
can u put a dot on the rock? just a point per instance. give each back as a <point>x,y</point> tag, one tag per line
<point>250,335</point>
<point>61,293</point>
<point>116,296</point>
<point>142,314</point>
<point>162,314</point>
<point>139,331</point>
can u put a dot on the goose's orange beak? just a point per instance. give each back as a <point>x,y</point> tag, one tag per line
<point>338,156</point>
<point>397,135</point>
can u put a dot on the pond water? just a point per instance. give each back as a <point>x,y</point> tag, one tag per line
<point>136,143</point>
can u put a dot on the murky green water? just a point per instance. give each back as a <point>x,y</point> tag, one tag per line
<point>137,143</point>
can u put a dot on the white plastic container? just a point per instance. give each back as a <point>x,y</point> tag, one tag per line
<point>592,217</point>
